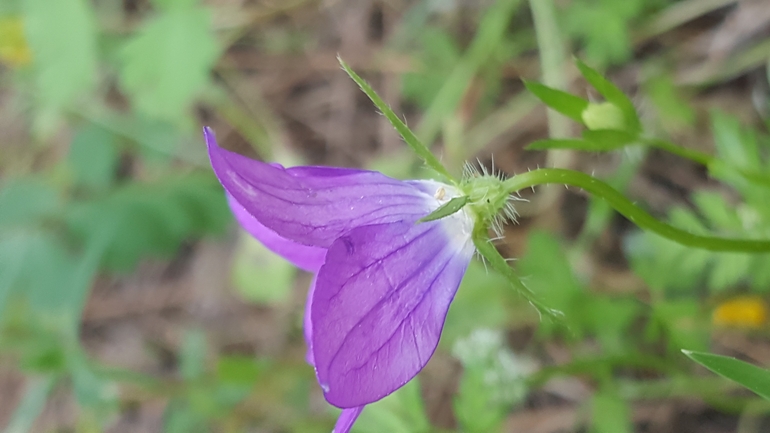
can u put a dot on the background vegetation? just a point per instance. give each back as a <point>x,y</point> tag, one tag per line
<point>130,302</point>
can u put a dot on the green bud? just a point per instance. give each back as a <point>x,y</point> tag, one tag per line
<point>487,196</point>
<point>604,115</point>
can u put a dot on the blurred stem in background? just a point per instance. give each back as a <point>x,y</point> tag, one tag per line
<point>552,55</point>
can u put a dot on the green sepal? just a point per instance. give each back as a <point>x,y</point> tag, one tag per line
<point>417,146</point>
<point>446,209</point>
<point>498,263</point>
<point>565,103</point>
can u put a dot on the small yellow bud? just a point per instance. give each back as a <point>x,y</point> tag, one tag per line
<point>604,115</point>
<point>13,45</point>
<point>742,312</point>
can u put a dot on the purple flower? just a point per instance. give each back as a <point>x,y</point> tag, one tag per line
<point>383,282</point>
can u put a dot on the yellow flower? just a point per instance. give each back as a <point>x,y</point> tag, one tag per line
<point>743,312</point>
<point>13,45</point>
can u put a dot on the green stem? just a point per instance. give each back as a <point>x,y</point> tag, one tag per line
<point>713,391</point>
<point>693,155</point>
<point>589,366</point>
<point>704,159</point>
<point>32,404</point>
<point>551,58</point>
<point>634,213</point>
<point>490,35</point>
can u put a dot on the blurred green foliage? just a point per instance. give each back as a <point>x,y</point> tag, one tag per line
<point>167,63</point>
<point>112,173</point>
<point>741,162</point>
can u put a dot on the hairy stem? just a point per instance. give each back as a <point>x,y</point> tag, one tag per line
<point>634,213</point>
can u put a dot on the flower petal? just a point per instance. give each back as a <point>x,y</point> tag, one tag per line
<point>380,302</point>
<point>314,205</point>
<point>346,419</point>
<point>305,257</point>
<point>307,324</point>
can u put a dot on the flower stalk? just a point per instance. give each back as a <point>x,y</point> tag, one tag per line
<point>634,213</point>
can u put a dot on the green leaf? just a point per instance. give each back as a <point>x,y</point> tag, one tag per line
<point>403,411</point>
<point>752,377</point>
<point>475,406</point>
<point>609,319</point>
<point>549,272</point>
<point>62,35</point>
<point>671,105</point>
<point>612,94</point>
<point>192,357</point>
<point>179,417</point>
<point>150,219</point>
<point>487,41</point>
<point>735,145</point>
<point>446,209</point>
<point>493,380</point>
<point>417,146</point>
<point>239,370</point>
<point>25,201</point>
<point>568,143</point>
<point>481,302</point>
<point>38,270</point>
<point>170,4</point>
<point>600,140</point>
<point>729,270</point>
<point>683,323</point>
<point>167,64</point>
<point>760,273</point>
<point>608,139</point>
<point>91,390</point>
<point>93,156</point>
<point>603,30</point>
<point>610,414</point>
<point>440,55</point>
<point>259,274</point>
<point>565,103</point>
<point>718,213</point>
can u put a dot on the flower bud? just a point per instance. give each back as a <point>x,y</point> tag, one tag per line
<point>604,115</point>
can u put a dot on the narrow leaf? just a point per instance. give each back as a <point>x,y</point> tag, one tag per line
<point>31,404</point>
<point>568,143</point>
<point>565,103</point>
<point>417,146</point>
<point>752,377</point>
<point>446,209</point>
<point>486,43</point>
<point>608,139</point>
<point>612,94</point>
